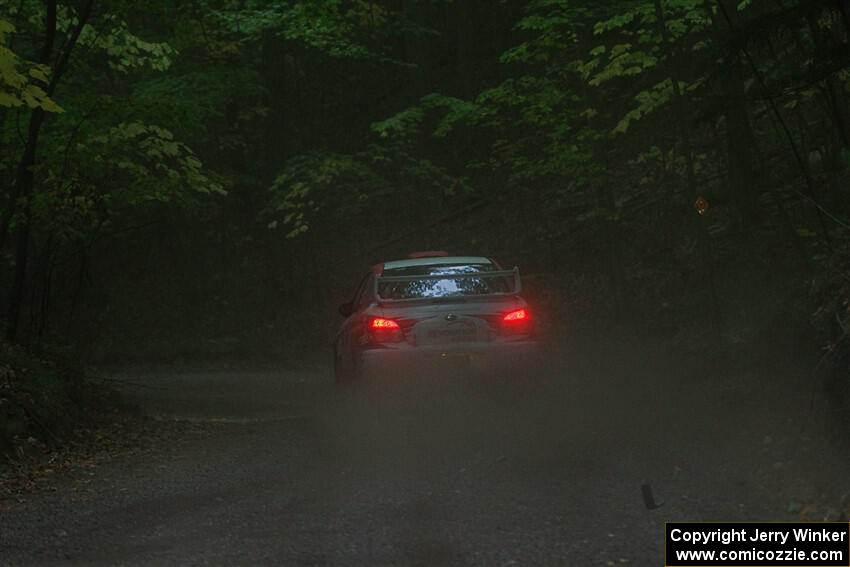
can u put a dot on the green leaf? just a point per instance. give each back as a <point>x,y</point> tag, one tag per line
<point>40,73</point>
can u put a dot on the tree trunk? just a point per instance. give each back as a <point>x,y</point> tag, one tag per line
<point>611,229</point>
<point>739,133</point>
<point>739,145</point>
<point>416,46</point>
<point>22,189</point>
<point>25,178</point>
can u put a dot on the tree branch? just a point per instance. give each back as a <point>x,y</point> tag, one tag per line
<point>62,63</point>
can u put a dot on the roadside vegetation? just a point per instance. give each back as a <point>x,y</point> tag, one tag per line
<point>201,181</point>
<point>50,408</point>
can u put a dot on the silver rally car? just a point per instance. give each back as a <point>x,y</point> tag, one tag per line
<point>436,313</point>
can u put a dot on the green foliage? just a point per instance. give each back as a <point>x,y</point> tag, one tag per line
<point>623,62</point>
<point>324,186</point>
<point>320,182</point>
<point>150,164</point>
<point>406,124</point>
<point>129,165</point>
<point>454,112</point>
<point>22,82</point>
<point>403,125</point>
<point>124,51</point>
<point>329,26</point>
<point>553,25</point>
<point>191,101</point>
<point>635,47</point>
<point>104,156</point>
<point>301,110</point>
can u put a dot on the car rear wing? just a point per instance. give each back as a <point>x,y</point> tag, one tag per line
<point>512,274</point>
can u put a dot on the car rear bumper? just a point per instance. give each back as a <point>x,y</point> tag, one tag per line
<point>509,358</point>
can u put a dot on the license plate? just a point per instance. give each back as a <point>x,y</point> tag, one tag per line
<point>456,335</point>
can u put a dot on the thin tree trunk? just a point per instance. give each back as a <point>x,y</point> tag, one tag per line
<point>841,5</point>
<point>25,180</point>
<point>611,229</point>
<point>684,134</point>
<point>739,133</point>
<point>832,88</point>
<point>739,145</point>
<point>23,177</point>
<point>678,99</point>
<point>23,187</point>
<point>820,212</point>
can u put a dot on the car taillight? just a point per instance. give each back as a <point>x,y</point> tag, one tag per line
<point>516,322</point>
<point>383,330</point>
<point>383,324</point>
<point>516,316</point>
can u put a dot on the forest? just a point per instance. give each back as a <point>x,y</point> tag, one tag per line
<point>205,180</point>
<point>190,189</point>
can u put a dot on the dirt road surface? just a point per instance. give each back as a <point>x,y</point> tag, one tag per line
<point>279,467</point>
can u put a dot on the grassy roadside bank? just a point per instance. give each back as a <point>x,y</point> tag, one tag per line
<point>55,416</point>
<point>46,401</point>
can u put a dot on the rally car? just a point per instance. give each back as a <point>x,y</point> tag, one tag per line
<point>435,312</point>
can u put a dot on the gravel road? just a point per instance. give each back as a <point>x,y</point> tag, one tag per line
<point>279,467</point>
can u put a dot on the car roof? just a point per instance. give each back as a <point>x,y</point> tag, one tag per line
<point>436,261</point>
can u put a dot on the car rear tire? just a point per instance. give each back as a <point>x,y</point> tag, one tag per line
<point>349,372</point>
<point>342,375</point>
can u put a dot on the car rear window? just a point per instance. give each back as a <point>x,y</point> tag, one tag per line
<point>443,287</point>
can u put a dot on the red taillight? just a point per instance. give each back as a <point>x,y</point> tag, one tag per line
<point>381,330</point>
<point>516,316</point>
<point>381,324</point>
<point>516,322</point>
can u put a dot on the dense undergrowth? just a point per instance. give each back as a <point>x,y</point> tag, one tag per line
<point>49,403</point>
